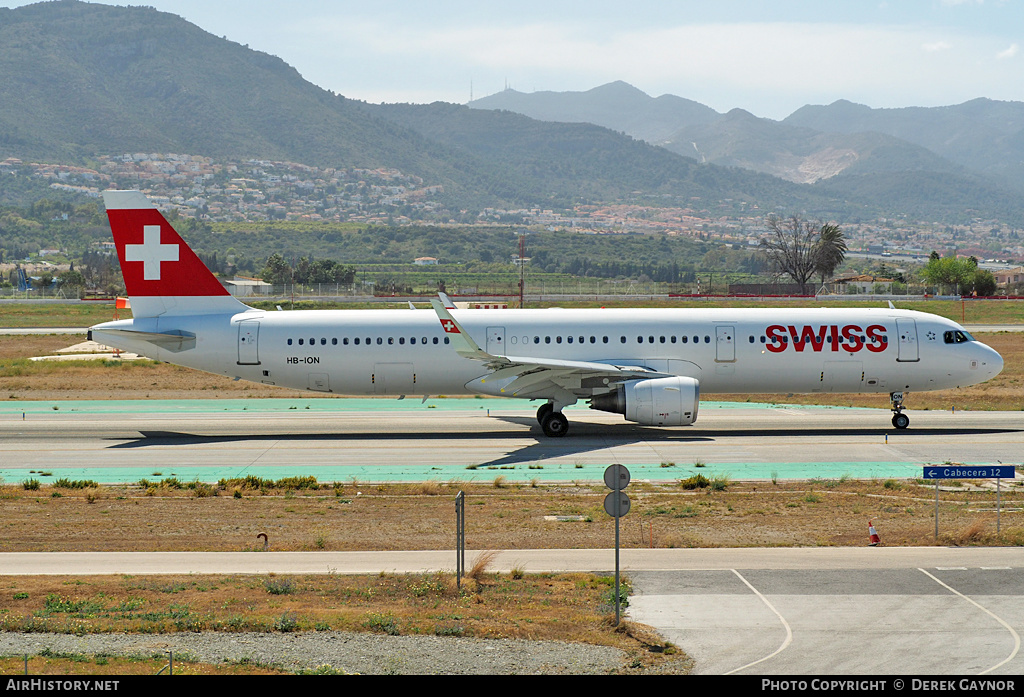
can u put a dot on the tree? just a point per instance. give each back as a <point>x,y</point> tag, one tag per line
<point>800,248</point>
<point>829,251</point>
<point>277,271</point>
<point>984,283</point>
<point>71,279</point>
<point>959,275</point>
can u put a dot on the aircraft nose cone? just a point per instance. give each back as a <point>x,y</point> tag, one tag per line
<point>993,362</point>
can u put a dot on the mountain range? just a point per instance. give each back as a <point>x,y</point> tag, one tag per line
<point>81,79</point>
<point>981,137</point>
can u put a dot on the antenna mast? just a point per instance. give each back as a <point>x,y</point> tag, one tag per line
<point>522,270</point>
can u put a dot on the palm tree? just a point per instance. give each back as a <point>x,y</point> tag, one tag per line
<point>829,250</point>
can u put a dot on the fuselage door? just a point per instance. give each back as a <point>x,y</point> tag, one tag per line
<point>248,348</point>
<point>496,341</point>
<point>725,343</point>
<point>394,378</point>
<point>842,376</point>
<point>907,349</point>
<point>319,382</point>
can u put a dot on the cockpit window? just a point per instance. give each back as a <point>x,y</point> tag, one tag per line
<point>956,337</point>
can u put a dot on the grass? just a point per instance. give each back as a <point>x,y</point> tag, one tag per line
<point>557,607</point>
<point>84,314</point>
<point>51,663</point>
<point>71,314</point>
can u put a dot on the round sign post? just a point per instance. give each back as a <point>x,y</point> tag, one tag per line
<point>616,477</point>
<point>616,504</point>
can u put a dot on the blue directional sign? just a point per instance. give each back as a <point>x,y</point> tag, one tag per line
<point>969,472</point>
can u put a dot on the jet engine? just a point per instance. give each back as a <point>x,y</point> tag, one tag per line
<point>658,402</point>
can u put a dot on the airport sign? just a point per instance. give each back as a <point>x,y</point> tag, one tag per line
<point>969,472</point>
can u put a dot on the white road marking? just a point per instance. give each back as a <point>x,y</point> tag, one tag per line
<point>1016,637</point>
<point>789,631</point>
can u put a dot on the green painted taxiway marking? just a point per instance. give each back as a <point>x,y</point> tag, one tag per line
<point>518,473</point>
<point>211,406</point>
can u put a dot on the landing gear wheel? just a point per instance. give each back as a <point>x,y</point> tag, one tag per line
<point>899,420</point>
<point>544,410</point>
<point>555,425</point>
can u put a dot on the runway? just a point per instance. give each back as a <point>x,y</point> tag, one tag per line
<point>467,439</point>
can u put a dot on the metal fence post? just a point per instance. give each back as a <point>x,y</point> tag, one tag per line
<point>460,538</point>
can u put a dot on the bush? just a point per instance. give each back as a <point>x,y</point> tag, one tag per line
<point>720,482</point>
<point>383,623</point>
<point>282,586</point>
<point>288,622</point>
<point>64,483</point>
<point>697,481</point>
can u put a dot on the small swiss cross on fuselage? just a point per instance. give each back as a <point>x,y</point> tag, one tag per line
<point>151,252</point>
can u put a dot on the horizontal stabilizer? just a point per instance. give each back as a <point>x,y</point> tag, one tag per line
<point>171,341</point>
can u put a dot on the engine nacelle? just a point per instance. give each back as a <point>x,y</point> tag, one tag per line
<point>659,402</point>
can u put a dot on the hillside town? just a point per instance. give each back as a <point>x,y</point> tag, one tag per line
<point>211,190</point>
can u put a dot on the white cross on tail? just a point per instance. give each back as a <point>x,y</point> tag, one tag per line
<point>151,252</point>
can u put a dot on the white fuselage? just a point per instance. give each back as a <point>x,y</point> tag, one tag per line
<point>399,352</point>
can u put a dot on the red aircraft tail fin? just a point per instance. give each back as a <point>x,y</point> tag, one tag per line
<point>161,272</point>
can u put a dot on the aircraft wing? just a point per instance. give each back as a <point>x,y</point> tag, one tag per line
<point>531,377</point>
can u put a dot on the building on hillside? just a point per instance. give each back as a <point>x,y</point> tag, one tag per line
<point>1006,277</point>
<point>425,261</point>
<point>862,283</point>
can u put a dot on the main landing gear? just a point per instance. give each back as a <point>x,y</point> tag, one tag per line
<point>899,419</point>
<point>553,423</point>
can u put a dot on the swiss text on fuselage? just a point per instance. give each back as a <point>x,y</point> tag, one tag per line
<point>848,337</point>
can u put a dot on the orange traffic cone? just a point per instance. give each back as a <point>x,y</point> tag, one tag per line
<point>875,540</point>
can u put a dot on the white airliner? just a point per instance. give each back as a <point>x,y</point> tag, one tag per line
<point>647,364</point>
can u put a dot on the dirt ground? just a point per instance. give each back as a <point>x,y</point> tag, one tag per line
<point>355,516</point>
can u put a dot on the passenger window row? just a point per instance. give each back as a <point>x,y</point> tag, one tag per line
<point>605,339</point>
<point>368,341</point>
<point>685,339</point>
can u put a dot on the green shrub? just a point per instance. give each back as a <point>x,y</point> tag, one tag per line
<point>697,481</point>
<point>64,483</point>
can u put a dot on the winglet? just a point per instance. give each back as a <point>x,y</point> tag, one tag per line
<point>461,341</point>
<point>446,300</point>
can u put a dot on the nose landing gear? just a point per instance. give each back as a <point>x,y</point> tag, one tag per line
<point>899,420</point>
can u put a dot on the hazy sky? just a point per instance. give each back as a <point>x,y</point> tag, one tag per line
<point>769,57</point>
